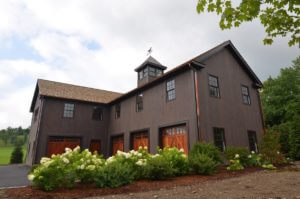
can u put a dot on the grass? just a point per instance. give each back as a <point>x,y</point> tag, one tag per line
<point>5,153</point>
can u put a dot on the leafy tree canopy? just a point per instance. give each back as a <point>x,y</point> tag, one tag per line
<point>281,106</point>
<point>279,17</point>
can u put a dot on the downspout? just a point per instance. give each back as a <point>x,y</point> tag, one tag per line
<point>196,92</point>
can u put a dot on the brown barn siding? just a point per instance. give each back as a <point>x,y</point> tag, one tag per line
<point>157,112</point>
<point>228,111</point>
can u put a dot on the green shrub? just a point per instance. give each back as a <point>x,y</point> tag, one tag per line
<point>270,149</point>
<point>208,149</point>
<point>235,163</point>
<point>114,174</point>
<point>202,164</point>
<point>158,168</point>
<point>17,155</point>
<point>177,159</point>
<point>243,152</point>
<point>294,140</point>
<point>254,159</point>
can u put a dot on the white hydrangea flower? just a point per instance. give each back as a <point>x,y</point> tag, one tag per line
<point>90,167</point>
<point>155,156</point>
<point>88,161</point>
<point>145,148</point>
<point>181,150</point>
<point>252,152</point>
<point>250,156</point>
<point>47,164</point>
<point>30,177</point>
<point>278,152</point>
<point>76,149</point>
<point>141,162</point>
<point>236,156</point>
<point>139,154</point>
<point>183,155</point>
<point>140,147</point>
<point>110,159</point>
<point>53,156</point>
<point>68,149</point>
<point>82,167</point>
<point>127,155</point>
<point>44,159</point>
<point>65,160</point>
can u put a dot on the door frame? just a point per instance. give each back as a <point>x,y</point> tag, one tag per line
<point>61,136</point>
<point>160,128</point>
<point>111,142</point>
<point>132,133</point>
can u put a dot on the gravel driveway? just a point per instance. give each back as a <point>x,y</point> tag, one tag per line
<point>14,175</point>
<point>263,184</point>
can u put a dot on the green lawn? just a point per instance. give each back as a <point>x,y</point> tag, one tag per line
<point>5,153</point>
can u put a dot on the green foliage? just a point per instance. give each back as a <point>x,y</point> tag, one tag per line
<point>158,168</point>
<point>281,106</point>
<point>280,18</point>
<point>114,174</point>
<point>17,155</point>
<point>268,166</point>
<point>243,153</point>
<point>13,136</point>
<point>177,159</point>
<point>201,163</point>
<point>254,159</point>
<point>270,149</point>
<point>208,149</point>
<point>235,164</point>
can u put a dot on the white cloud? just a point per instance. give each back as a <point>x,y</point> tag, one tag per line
<point>58,31</point>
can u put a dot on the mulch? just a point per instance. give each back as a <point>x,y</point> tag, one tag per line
<point>82,191</point>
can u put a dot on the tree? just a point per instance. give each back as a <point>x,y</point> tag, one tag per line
<point>281,106</point>
<point>17,155</point>
<point>279,17</point>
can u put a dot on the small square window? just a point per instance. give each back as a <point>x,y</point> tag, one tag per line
<point>97,113</point>
<point>139,102</point>
<point>214,89</point>
<point>117,111</point>
<point>245,95</point>
<point>219,138</point>
<point>171,93</point>
<point>69,110</point>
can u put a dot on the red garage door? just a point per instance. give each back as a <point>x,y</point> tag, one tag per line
<point>175,137</point>
<point>95,145</point>
<point>117,144</point>
<point>58,145</point>
<point>140,139</point>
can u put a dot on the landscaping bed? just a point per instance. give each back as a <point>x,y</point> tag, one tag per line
<point>82,191</point>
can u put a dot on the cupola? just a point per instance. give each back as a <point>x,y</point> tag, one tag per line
<point>149,70</point>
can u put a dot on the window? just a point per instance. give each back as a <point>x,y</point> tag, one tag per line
<point>145,72</point>
<point>35,116</point>
<point>152,72</point>
<point>141,75</point>
<point>118,110</point>
<point>97,113</point>
<point>158,72</point>
<point>219,137</point>
<point>214,89</point>
<point>252,141</point>
<point>69,110</point>
<point>139,102</point>
<point>245,95</point>
<point>171,90</point>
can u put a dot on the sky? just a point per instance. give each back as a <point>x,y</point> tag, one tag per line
<point>99,43</point>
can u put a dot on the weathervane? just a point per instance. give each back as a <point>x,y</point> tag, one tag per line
<point>149,51</point>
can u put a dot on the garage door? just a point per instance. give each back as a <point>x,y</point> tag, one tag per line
<point>58,145</point>
<point>95,145</point>
<point>140,139</point>
<point>175,137</point>
<point>117,144</point>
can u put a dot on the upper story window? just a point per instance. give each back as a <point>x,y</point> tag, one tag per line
<point>139,102</point>
<point>35,115</point>
<point>214,89</point>
<point>245,95</point>
<point>219,138</point>
<point>69,110</point>
<point>171,94</point>
<point>158,72</point>
<point>117,110</point>
<point>145,72</point>
<point>152,72</point>
<point>141,74</point>
<point>97,113</point>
